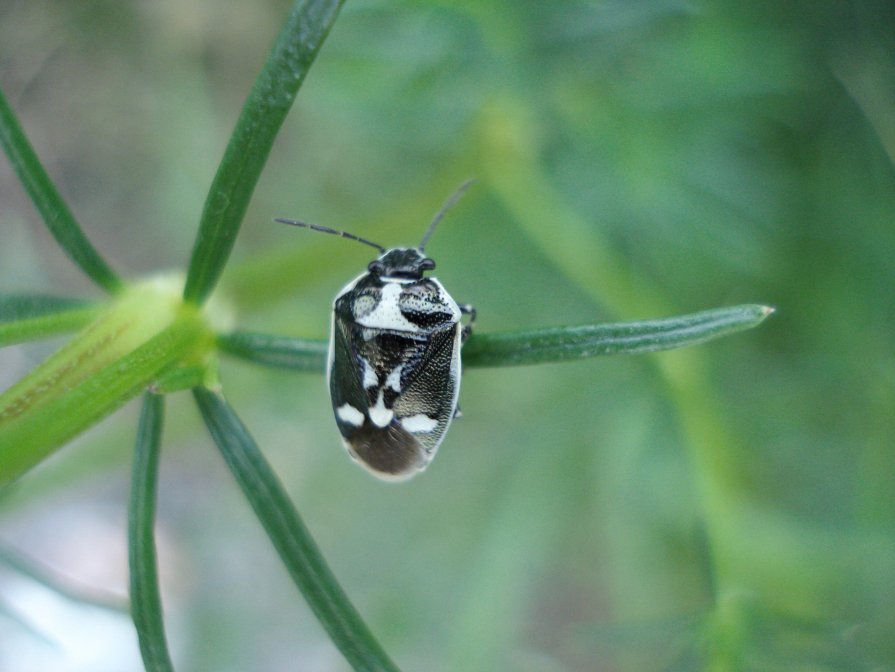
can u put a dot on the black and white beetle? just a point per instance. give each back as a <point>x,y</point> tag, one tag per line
<point>394,357</point>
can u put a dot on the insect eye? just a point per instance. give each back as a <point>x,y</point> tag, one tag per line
<point>375,267</point>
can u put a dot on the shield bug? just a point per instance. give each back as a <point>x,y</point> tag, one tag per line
<point>393,368</point>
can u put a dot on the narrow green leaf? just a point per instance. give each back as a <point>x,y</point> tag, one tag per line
<point>146,602</point>
<point>277,351</point>
<point>567,343</point>
<point>268,103</point>
<point>290,537</point>
<point>56,214</point>
<point>25,306</point>
<point>518,348</point>
<point>27,317</point>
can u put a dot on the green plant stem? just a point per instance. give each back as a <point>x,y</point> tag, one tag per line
<point>145,333</point>
<point>268,103</point>
<point>517,348</point>
<point>290,537</point>
<point>146,603</point>
<point>28,437</point>
<point>46,198</point>
<point>136,315</point>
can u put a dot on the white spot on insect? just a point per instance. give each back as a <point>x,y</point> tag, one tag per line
<point>418,423</point>
<point>394,378</point>
<point>370,378</point>
<point>379,414</point>
<point>348,413</point>
<point>387,314</point>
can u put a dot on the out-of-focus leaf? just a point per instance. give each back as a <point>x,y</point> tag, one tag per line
<point>289,535</point>
<point>268,103</point>
<point>56,214</point>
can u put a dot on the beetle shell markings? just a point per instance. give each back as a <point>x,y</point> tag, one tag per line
<point>394,370</point>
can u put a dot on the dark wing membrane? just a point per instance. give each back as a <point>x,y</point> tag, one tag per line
<point>390,451</point>
<point>428,387</point>
<point>344,377</point>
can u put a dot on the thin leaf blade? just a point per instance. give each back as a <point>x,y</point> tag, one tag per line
<point>298,354</point>
<point>146,602</point>
<point>25,306</point>
<point>262,115</point>
<point>517,348</point>
<point>290,537</point>
<point>570,343</point>
<point>25,317</point>
<point>49,203</point>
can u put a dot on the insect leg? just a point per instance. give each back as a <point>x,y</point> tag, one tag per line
<point>466,309</point>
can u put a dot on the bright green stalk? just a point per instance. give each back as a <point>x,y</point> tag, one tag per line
<point>142,335</point>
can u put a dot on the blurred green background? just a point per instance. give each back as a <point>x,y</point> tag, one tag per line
<point>729,507</point>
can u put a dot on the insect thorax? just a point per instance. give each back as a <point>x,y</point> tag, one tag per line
<point>411,307</point>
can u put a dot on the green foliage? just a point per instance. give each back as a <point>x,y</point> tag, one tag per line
<point>46,198</point>
<point>262,115</point>
<point>140,337</point>
<point>146,602</point>
<point>728,507</point>
<point>289,535</point>
<point>28,317</point>
<point>568,343</point>
<point>541,346</point>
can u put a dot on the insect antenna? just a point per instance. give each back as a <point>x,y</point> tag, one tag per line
<point>448,204</point>
<point>334,232</point>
